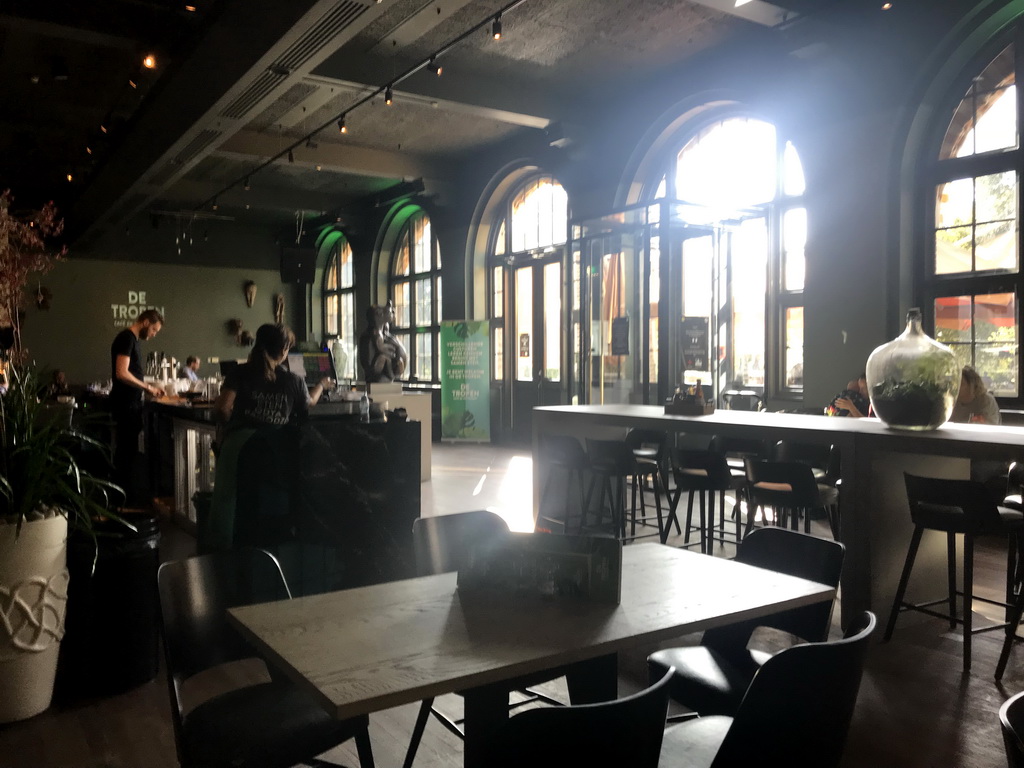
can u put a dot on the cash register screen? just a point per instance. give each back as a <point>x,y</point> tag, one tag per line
<point>312,366</point>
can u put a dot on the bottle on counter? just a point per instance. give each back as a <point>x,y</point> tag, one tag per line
<point>699,392</point>
<point>364,407</point>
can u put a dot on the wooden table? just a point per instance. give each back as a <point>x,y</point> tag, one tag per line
<point>364,650</point>
<point>876,523</point>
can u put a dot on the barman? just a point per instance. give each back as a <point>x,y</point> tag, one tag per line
<point>127,399</point>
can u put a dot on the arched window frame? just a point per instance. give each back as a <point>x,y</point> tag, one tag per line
<point>952,288</point>
<point>338,302</point>
<point>414,272</point>
<point>784,295</point>
<point>501,254</point>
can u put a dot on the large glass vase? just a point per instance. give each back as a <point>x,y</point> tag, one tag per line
<point>913,380</point>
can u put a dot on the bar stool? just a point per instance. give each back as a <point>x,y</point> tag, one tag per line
<point>649,448</point>
<point>787,487</point>
<point>957,506</point>
<point>704,473</point>
<point>563,452</point>
<point>824,463</point>
<point>613,465</point>
<point>736,451</point>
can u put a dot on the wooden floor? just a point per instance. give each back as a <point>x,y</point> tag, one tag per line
<point>916,707</point>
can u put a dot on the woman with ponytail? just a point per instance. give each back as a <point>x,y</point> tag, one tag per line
<point>259,392</point>
<point>256,396</point>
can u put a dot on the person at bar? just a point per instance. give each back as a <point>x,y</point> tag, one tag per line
<point>852,401</point>
<point>127,398</point>
<point>190,370</point>
<point>974,404</point>
<point>257,395</point>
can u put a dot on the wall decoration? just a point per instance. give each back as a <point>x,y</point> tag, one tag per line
<point>279,309</point>
<point>234,326</point>
<point>44,297</point>
<point>250,293</point>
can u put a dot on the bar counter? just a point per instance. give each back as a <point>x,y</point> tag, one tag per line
<point>876,523</point>
<point>343,492</point>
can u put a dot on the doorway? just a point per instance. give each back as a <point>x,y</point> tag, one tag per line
<point>535,340</point>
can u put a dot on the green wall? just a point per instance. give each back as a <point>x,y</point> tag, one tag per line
<point>75,334</point>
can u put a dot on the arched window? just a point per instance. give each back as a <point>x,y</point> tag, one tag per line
<point>415,289</point>
<point>525,271</point>
<point>339,305</point>
<point>741,171</point>
<point>972,277</point>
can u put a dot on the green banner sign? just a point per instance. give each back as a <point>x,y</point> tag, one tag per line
<point>466,381</point>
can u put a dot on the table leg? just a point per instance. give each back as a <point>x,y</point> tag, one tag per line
<point>593,680</point>
<point>486,710</point>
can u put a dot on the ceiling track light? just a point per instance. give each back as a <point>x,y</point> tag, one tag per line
<point>496,27</point>
<point>246,183</point>
<point>214,204</point>
<point>434,67</point>
<point>342,128</point>
<point>149,61</point>
<point>291,156</point>
<point>389,95</point>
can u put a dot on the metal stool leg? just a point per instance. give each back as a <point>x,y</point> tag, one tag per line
<point>908,566</point>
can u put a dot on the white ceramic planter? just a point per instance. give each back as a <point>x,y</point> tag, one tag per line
<point>33,599</point>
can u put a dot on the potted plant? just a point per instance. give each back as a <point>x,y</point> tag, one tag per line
<point>43,488</point>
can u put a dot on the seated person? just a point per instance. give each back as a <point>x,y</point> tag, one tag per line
<point>59,386</point>
<point>190,370</point>
<point>852,401</point>
<point>256,395</point>
<point>975,403</point>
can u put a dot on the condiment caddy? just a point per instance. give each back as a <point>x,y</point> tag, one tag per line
<point>689,401</point>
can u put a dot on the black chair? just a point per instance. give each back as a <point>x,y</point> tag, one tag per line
<point>737,451</point>
<point>266,725</point>
<point>705,474</point>
<point>824,462</point>
<point>788,487</point>
<point>1013,500</point>
<point>952,507</point>
<point>441,545</point>
<point>1015,487</point>
<point>650,449</point>
<point>1011,718</point>
<point>712,677</point>
<point>613,466</point>
<point>623,732</point>
<point>742,400</point>
<point>563,453</point>
<point>796,712</point>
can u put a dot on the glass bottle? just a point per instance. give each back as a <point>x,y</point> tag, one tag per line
<point>913,381</point>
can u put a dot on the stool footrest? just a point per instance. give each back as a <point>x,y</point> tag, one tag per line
<point>923,608</point>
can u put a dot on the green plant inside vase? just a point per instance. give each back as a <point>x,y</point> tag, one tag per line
<point>41,454</point>
<point>917,402</point>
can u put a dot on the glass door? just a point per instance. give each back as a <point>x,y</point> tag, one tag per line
<point>536,345</point>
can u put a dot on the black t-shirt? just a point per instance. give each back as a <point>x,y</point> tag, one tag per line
<point>259,402</point>
<point>125,396</point>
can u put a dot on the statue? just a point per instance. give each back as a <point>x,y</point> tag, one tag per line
<point>381,355</point>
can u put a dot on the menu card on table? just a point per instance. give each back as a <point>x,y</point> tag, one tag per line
<point>547,566</point>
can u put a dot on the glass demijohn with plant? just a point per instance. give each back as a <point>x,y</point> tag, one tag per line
<point>913,380</point>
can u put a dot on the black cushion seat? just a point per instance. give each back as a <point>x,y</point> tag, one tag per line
<point>705,675</point>
<point>260,725</point>
<point>947,518</point>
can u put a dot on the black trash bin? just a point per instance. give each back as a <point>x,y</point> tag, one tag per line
<point>111,631</point>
